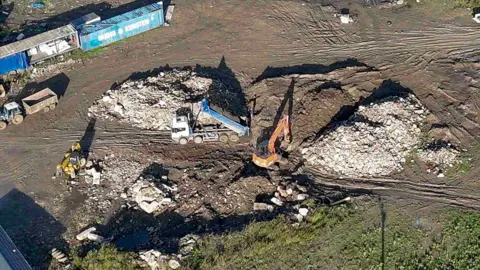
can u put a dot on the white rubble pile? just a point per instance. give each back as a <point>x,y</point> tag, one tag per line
<point>286,192</point>
<point>187,244</point>
<point>372,142</point>
<point>116,175</point>
<point>157,261</point>
<point>120,176</point>
<point>150,103</point>
<point>149,197</point>
<point>441,156</point>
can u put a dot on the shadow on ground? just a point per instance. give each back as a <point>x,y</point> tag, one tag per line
<point>33,230</point>
<point>58,83</point>
<point>273,72</point>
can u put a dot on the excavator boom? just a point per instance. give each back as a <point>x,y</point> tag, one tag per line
<point>282,127</point>
<point>266,154</point>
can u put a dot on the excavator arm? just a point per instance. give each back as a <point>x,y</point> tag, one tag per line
<point>282,127</point>
<point>267,157</point>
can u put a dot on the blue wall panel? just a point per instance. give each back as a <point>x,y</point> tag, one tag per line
<point>121,30</point>
<point>13,62</point>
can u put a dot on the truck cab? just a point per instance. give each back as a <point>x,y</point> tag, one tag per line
<point>180,129</point>
<point>10,112</point>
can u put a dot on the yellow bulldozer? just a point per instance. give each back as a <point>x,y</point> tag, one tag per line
<point>72,164</point>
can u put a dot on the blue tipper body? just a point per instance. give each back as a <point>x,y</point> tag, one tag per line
<point>105,32</point>
<point>230,124</point>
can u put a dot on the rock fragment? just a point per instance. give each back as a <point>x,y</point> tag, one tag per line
<point>262,207</point>
<point>173,264</point>
<point>303,211</point>
<point>276,201</point>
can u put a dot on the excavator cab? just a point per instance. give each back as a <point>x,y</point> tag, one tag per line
<point>269,153</point>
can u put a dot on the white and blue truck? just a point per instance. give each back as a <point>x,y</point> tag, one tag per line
<point>186,127</point>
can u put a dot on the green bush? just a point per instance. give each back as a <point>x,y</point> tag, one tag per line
<point>106,258</point>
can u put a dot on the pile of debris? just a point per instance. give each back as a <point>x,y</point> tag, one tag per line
<point>113,179</point>
<point>372,142</point>
<point>286,192</point>
<point>150,103</point>
<point>150,194</point>
<point>439,155</point>
<point>49,70</point>
<point>158,261</point>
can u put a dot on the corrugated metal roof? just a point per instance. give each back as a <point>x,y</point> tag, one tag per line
<point>25,44</point>
<point>90,28</point>
<point>86,19</point>
<point>10,254</point>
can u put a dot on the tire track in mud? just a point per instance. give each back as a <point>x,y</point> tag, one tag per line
<point>22,156</point>
<point>446,194</point>
<point>100,138</point>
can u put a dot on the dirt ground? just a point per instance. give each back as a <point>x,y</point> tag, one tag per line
<point>250,45</point>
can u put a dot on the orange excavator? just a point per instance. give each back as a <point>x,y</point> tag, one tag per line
<point>268,153</point>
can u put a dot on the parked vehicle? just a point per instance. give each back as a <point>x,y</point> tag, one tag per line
<point>185,128</point>
<point>44,100</point>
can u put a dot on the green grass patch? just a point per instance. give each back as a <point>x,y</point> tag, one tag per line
<point>19,79</point>
<point>457,248</point>
<point>467,3</point>
<point>106,258</point>
<point>79,54</point>
<point>345,238</point>
<point>47,3</point>
<point>332,238</point>
<point>462,167</point>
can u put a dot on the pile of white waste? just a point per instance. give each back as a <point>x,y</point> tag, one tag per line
<point>441,156</point>
<point>150,194</point>
<point>150,103</point>
<point>122,178</point>
<point>372,142</point>
<point>158,261</point>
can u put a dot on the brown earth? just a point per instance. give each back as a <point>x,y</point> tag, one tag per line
<point>256,43</point>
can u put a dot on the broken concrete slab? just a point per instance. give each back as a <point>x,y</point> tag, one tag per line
<point>276,201</point>
<point>174,264</point>
<point>84,234</point>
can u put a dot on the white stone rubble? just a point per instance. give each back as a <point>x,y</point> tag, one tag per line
<point>149,197</point>
<point>372,142</point>
<point>152,258</point>
<point>303,211</point>
<point>443,156</point>
<point>118,177</point>
<point>187,244</point>
<point>150,103</point>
